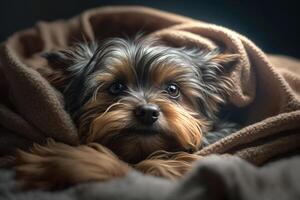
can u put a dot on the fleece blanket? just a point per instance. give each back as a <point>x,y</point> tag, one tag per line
<point>213,177</point>
<point>265,99</point>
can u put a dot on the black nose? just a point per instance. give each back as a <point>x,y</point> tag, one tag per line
<point>147,113</point>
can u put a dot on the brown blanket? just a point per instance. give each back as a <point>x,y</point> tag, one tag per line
<point>266,97</point>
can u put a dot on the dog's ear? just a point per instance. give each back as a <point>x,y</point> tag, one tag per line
<point>59,63</point>
<point>216,85</point>
<point>68,64</point>
<point>69,69</point>
<point>214,70</point>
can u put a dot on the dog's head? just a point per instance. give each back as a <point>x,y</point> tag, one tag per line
<point>137,96</point>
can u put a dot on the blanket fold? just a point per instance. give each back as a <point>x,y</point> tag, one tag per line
<point>265,98</point>
<point>214,177</point>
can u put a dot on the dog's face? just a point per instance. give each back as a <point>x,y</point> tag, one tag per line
<point>137,97</point>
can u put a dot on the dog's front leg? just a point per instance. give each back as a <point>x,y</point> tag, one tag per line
<point>167,164</point>
<point>58,165</point>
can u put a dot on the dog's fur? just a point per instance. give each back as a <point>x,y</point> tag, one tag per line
<point>103,85</point>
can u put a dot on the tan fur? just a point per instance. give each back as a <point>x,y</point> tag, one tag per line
<point>166,164</point>
<point>225,59</point>
<point>57,165</point>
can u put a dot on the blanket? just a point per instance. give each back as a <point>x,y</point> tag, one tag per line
<point>214,177</point>
<point>265,98</point>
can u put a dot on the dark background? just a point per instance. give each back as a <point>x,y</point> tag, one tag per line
<point>274,26</point>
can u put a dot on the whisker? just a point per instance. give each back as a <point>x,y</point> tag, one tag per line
<point>110,107</point>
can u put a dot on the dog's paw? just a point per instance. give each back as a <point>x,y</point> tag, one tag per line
<point>167,164</point>
<point>58,165</point>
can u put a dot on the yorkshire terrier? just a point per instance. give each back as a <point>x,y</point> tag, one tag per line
<point>138,104</point>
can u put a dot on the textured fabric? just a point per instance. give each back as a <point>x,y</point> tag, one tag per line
<point>266,94</point>
<point>211,178</point>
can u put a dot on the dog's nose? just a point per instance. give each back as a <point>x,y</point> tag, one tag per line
<point>147,113</point>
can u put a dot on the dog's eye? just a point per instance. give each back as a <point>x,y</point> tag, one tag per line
<point>117,88</point>
<point>173,90</point>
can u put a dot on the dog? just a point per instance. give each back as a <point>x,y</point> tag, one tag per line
<point>138,104</point>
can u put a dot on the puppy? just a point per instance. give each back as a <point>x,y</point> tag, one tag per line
<point>137,104</point>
